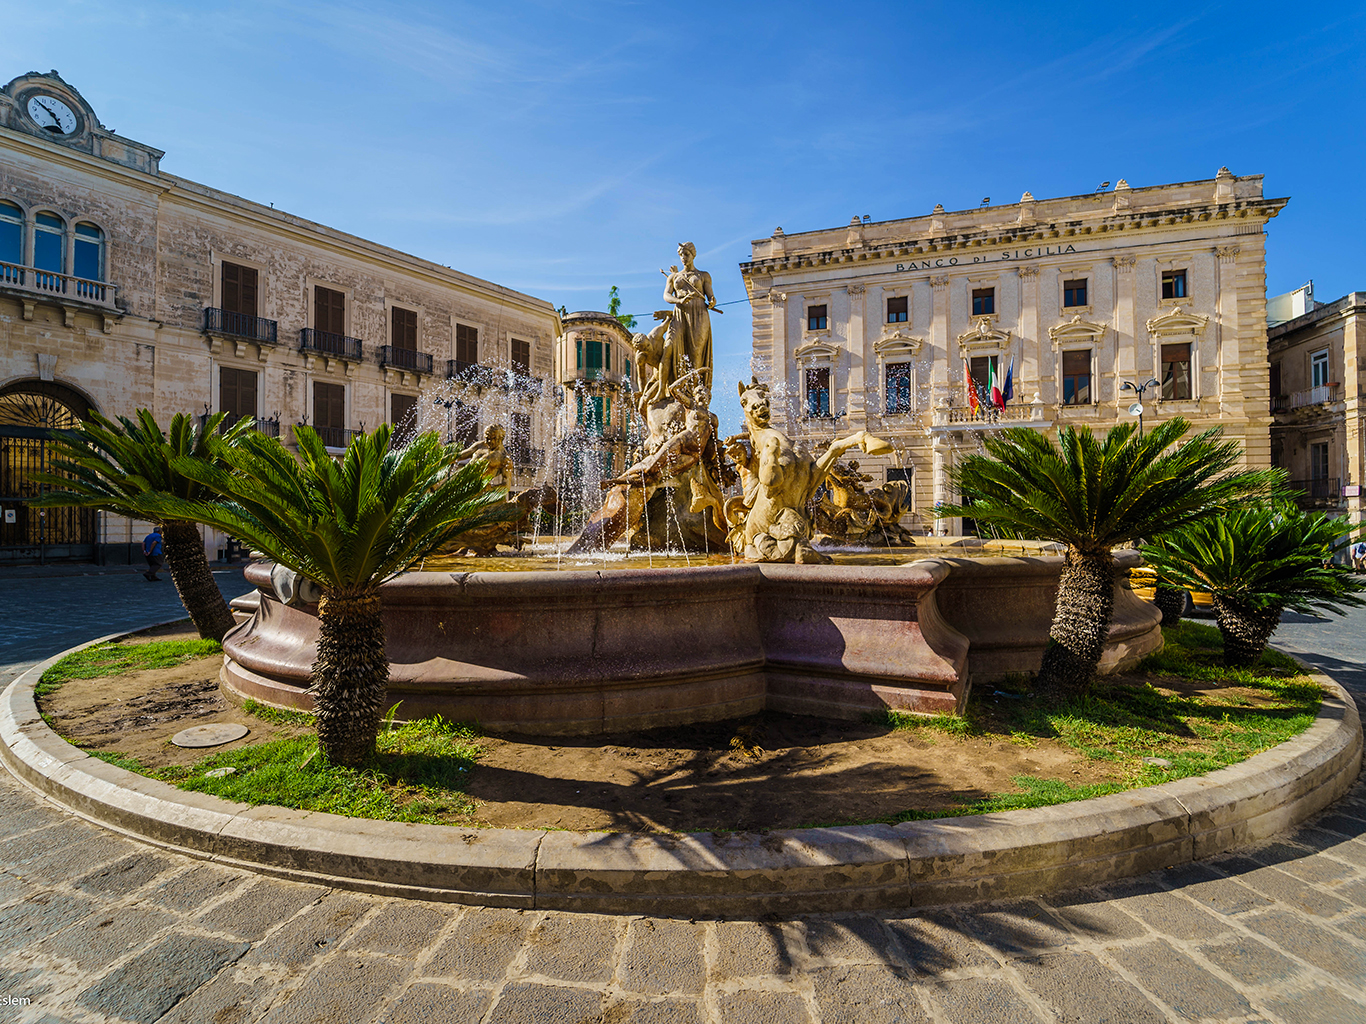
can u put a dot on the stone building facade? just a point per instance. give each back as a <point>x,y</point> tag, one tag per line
<point>593,363</point>
<point>124,287</point>
<point>877,325</point>
<point>1318,436</point>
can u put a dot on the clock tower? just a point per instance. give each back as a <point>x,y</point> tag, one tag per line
<point>43,105</point>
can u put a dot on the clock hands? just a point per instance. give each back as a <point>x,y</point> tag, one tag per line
<point>56,118</point>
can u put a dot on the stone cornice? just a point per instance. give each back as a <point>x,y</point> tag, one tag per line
<point>1075,331</point>
<point>1177,321</point>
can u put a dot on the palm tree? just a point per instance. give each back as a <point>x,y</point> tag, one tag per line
<point>111,466</point>
<point>1094,495</point>
<point>349,527</point>
<point>1257,560</point>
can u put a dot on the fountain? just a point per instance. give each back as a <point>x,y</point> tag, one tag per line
<point>756,618</point>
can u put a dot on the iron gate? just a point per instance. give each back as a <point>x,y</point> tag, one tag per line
<point>28,533</point>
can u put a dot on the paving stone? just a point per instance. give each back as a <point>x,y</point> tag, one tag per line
<point>859,939</point>
<point>31,984</point>
<point>253,913</point>
<point>982,1001</point>
<point>12,888</point>
<point>152,982</point>
<point>20,814</point>
<point>74,858</point>
<point>1225,896</point>
<point>400,928</point>
<point>546,1004</point>
<point>749,1007</point>
<point>47,911</point>
<point>1319,870</point>
<point>313,933</point>
<point>1354,891</point>
<point>1180,982</point>
<point>1353,851</point>
<point>662,956</point>
<point>122,877</point>
<point>1250,960</point>
<point>934,942</point>
<point>1318,1006</point>
<point>1283,888</point>
<point>346,988</point>
<point>1344,824</point>
<point>573,947</point>
<point>1017,929</point>
<point>657,1011</point>
<point>18,850</point>
<point>1278,852</point>
<point>747,949</point>
<point>192,889</point>
<point>1353,926</point>
<point>105,936</point>
<point>1312,943</point>
<point>1171,915</point>
<point>482,945</point>
<point>1081,990</point>
<point>224,1000</point>
<point>1094,917</point>
<point>866,995</point>
<point>438,1004</point>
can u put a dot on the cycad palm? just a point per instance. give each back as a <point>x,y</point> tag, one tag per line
<point>1257,561</point>
<point>112,466</point>
<point>1095,494</point>
<point>349,527</point>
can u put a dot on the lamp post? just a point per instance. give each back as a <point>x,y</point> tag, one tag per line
<point>1137,408</point>
<point>450,405</point>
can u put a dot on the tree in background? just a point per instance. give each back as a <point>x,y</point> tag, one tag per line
<point>614,310</point>
<point>111,466</point>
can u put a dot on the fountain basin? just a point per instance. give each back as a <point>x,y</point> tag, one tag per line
<point>584,652</point>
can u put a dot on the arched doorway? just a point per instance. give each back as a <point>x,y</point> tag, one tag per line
<point>31,413</point>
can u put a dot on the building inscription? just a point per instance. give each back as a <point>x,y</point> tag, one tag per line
<point>1005,255</point>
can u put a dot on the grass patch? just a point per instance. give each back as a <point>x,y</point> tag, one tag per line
<point>1034,793</point>
<point>115,659</point>
<point>953,725</point>
<point>276,716</point>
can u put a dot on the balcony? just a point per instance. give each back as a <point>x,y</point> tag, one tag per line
<point>333,437</point>
<point>58,287</point>
<point>1313,396</point>
<point>475,374</point>
<point>333,346</point>
<point>270,427</point>
<point>1324,491</point>
<point>240,325</point>
<point>404,358</point>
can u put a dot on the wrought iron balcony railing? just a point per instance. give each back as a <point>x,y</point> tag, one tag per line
<point>240,325</point>
<point>1313,396</point>
<point>1323,490</point>
<point>270,427</point>
<point>325,343</point>
<point>405,358</point>
<point>57,286</point>
<point>333,437</point>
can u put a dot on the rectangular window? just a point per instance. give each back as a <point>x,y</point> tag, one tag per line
<point>1318,462</point>
<point>521,357</point>
<point>403,416</point>
<point>329,310</point>
<point>981,367</point>
<point>403,328</point>
<point>236,394</point>
<point>1173,284</point>
<point>1076,378</point>
<point>1275,380</point>
<point>595,414</point>
<point>983,301</point>
<point>898,310</point>
<point>594,354</point>
<point>1318,369</point>
<point>818,391</point>
<point>49,243</point>
<point>329,413</point>
<point>466,344</point>
<point>519,438</point>
<point>11,233</point>
<point>88,255</point>
<point>239,289</point>
<point>898,387</point>
<point>1176,372</point>
<point>1074,292</point>
<point>815,318</point>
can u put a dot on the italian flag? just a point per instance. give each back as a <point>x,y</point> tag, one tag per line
<point>994,387</point>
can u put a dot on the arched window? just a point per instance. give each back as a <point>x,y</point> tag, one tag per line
<point>49,245</point>
<point>11,236</point>
<point>89,253</point>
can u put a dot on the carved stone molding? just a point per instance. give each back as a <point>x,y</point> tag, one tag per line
<point>47,366</point>
<point>939,283</point>
<point>983,337</point>
<point>897,344</point>
<point>1028,273</point>
<point>856,288</point>
<point>817,351</point>
<point>1178,321</point>
<point>1125,264</point>
<point>1226,253</point>
<point>777,298</point>
<point>1076,331</point>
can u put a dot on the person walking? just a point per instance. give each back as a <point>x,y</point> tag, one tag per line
<point>1359,556</point>
<point>151,547</point>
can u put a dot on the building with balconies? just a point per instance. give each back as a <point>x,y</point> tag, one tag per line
<point>593,364</point>
<point>123,286</point>
<point>892,326</point>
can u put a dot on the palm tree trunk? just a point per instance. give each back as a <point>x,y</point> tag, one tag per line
<point>194,581</point>
<point>1171,601</point>
<point>350,675</point>
<point>1081,623</point>
<point>1245,629</point>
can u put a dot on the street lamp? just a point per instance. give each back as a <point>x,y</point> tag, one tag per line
<point>1137,408</point>
<point>450,405</point>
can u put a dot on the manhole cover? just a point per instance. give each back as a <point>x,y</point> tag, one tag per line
<point>209,735</point>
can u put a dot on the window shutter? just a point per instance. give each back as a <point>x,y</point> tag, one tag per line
<point>232,288</point>
<point>248,275</point>
<point>246,393</point>
<point>403,329</point>
<point>227,392</point>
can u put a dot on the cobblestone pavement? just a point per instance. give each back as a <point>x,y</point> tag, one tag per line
<point>96,928</point>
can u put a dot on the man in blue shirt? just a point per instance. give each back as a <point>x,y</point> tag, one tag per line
<point>1359,556</point>
<point>151,547</point>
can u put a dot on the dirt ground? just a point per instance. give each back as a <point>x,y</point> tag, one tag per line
<point>771,770</point>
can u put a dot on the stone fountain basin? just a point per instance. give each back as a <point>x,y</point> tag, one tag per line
<point>583,652</point>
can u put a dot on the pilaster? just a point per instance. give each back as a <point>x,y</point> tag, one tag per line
<point>1127,358</point>
<point>1030,369</point>
<point>939,339</point>
<point>857,354</point>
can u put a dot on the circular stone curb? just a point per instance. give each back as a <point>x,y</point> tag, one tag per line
<point>855,867</point>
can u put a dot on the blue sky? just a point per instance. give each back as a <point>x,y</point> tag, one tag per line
<point>563,148</point>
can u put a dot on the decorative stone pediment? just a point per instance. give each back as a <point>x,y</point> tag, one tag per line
<point>899,344</point>
<point>1178,321</point>
<point>1077,331</point>
<point>983,337</point>
<point>817,350</point>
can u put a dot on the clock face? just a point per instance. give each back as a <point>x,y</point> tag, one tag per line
<point>51,114</point>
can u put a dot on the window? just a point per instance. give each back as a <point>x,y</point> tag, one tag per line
<point>1074,292</point>
<point>521,357</point>
<point>49,243</point>
<point>329,311</point>
<point>466,344</point>
<point>88,256</point>
<point>980,368</point>
<point>1275,380</point>
<point>1176,372</point>
<point>1076,378</point>
<point>11,233</point>
<point>236,394</point>
<point>898,310</point>
<point>595,348</point>
<point>1318,369</point>
<point>898,387</point>
<point>519,439</point>
<point>329,413</point>
<point>403,416</point>
<point>403,328</point>
<point>818,391</point>
<point>595,412</point>
<point>1173,284</point>
<point>1318,462</point>
<point>983,301</point>
<point>815,318</point>
<point>239,289</point>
